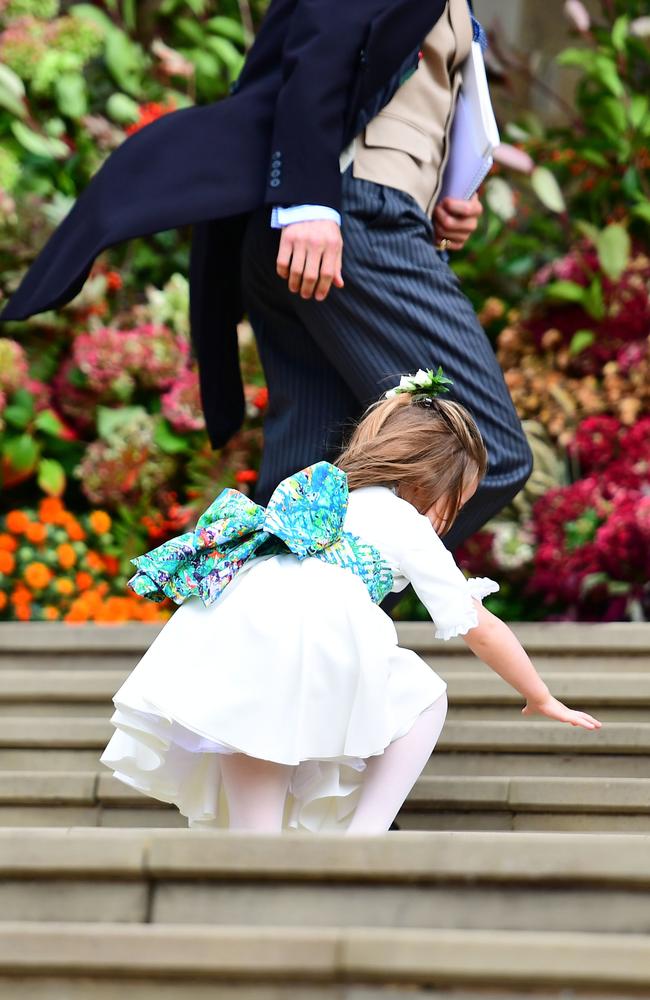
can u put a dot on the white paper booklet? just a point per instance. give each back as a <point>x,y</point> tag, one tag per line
<point>474,133</point>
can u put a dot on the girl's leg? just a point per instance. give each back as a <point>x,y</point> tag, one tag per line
<point>390,776</point>
<point>256,791</point>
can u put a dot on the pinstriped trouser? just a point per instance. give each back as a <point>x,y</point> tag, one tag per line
<point>402,308</point>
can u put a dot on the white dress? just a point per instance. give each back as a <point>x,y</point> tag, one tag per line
<point>295,664</point>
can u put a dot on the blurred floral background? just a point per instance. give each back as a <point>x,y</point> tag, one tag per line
<point>103,452</point>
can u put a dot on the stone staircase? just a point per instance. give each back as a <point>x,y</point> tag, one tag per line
<point>523,868</point>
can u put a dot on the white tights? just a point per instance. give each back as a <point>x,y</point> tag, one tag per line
<point>256,790</point>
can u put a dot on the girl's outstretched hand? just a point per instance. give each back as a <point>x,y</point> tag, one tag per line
<point>555,709</point>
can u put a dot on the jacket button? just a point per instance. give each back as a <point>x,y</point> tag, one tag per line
<point>275,182</point>
<point>277,155</point>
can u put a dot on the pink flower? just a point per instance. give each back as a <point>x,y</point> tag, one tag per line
<point>514,158</point>
<point>577,14</point>
<point>181,404</point>
<point>596,442</point>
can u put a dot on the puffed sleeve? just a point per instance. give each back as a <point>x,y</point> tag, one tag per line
<point>436,578</point>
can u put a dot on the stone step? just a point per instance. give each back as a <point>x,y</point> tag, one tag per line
<point>436,803</point>
<point>609,647</point>
<point>472,880</point>
<point>324,963</point>
<point>521,735</point>
<point>89,692</point>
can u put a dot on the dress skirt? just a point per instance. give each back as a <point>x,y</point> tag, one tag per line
<point>293,664</point>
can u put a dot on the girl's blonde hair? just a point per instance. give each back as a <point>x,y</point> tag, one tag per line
<point>426,450</point>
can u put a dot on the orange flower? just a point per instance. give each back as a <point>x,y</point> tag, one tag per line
<point>77,612</point>
<point>38,575</point>
<point>8,543</point>
<point>64,585</point>
<point>3,600</point>
<point>7,562</point>
<point>74,529</point>
<point>51,613</point>
<point>36,532</point>
<point>17,521</point>
<point>84,581</point>
<point>23,612</point>
<point>20,594</point>
<point>66,555</point>
<point>95,561</point>
<point>100,522</point>
<point>51,510</point>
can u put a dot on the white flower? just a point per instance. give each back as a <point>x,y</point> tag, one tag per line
<point>406,383</point>
<point>390,394</point>
<point>640,27</point>
<point>422,378</point>
<point>512,545</point>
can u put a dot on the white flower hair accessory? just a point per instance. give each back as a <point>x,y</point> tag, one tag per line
<point>424,386</point>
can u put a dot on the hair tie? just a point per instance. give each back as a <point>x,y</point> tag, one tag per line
<point>423,387</point>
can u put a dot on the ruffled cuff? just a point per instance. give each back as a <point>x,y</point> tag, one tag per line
<point>478,588</point>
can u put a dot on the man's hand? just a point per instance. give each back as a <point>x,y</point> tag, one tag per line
<point>311,257</point>
<point>455,220</point>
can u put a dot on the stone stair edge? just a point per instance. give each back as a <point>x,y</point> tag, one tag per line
<point>571,959</point>
<point>457,856</point>
<point>462,792</point>
<point>518,735</point>
<point>54,637</point>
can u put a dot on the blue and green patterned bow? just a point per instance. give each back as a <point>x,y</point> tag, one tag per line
<point>305,516</point>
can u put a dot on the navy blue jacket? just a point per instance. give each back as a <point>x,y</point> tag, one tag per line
<point>318,72</point>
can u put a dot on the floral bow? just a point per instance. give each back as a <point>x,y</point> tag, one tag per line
<point>305,516</point>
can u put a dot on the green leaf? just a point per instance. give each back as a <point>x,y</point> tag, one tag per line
<point>547,189</point>
<point>580,340</point>
<point>12,92</point>
<point>168,440</point>
<point>21,409</point>
<point>71,95</point>
<point>593,300</point>
<point>588,229</point>
<point>226,52</point>
<point>642,210</point>
<point>567,291</point>
<point>51,477</point>
<point>620,30</point>
<point>94,14</point>
<point>638,110</point>
<point>21,452</point>
<point>583,58</point>
<point>228,27</point>
<point>38,144</point>
<point>192,31</point>
<point>613,246</point>
<point>48,422</point>
<point>122,109</point>
<point>605,71</point>
<point>18,415</point>
<point>614,112</point>
<point>126,61</point>
<point>111,420</point>
<point>500,198</point>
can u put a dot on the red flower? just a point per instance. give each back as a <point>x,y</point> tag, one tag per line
<point>246,476</point>
<point>261,398</point>
<point>150,113</point>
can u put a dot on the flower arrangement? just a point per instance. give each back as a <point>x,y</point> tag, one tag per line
<point>55,565</point>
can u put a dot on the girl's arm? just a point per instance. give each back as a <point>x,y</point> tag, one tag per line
<point>494,643</point>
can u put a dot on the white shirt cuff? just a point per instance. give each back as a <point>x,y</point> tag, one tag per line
<point>281,217</point>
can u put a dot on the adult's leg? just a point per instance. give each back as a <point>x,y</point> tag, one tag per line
<point>256,791</point>
<point>310,404</point>
<point>390,776</point>
<point>403,308</point>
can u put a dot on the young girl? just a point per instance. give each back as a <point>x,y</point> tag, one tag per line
<point>277,695</point>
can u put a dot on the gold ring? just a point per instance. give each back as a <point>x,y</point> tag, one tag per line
<point>442,244</point>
